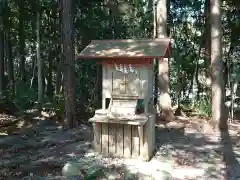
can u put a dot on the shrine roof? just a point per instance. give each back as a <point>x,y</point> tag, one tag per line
<point>146,48</point>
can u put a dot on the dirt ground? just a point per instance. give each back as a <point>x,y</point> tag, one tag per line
<point>186,148</point>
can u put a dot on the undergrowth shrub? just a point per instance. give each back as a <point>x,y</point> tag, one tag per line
<point>25,97</point>
<point>56,106</point>
<point>204,106</point>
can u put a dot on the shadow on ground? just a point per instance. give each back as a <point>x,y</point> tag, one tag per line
<point>230,158</point>
<point>216,155</point>
<point>41,149</point>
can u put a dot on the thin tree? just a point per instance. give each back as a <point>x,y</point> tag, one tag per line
<point>21,37</point>
<point>8,50</point>
<point>207,38</point>
<point>69,63</point>
<point>1,50</point>
<point>39,60</point>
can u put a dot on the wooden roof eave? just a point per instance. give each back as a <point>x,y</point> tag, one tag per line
<point>166,55</point>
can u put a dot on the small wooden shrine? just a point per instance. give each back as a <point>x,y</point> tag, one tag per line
<point>125,126</point>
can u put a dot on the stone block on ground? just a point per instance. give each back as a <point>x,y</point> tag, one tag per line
<point>163,175</point>
<point>88,168</point>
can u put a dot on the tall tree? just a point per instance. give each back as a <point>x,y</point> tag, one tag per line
<point>21,36</point>
<point>60,56</point>
<point>69,63</point>
<point>39,60</point>
<point>164,99</point>
<point>8,50</point>
<point>1,50</point>
<point>207,39</point>
<point>218,92</point>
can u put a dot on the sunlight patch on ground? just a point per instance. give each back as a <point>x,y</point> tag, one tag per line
<point>158,168</point>
<point>187,172</point>
<point>3,134</point>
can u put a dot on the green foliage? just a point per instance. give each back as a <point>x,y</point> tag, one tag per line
<point>25,97</point>
<point>55,106</point>
<point>94,19</point>
<point>204,106</point>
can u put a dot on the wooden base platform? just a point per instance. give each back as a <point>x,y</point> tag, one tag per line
<point>123,138</point>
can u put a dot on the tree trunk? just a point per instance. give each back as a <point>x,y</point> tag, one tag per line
<point>1,56</point>
<point>39,61</point>
<point>59,56</point>
<point>50,76</point>
<point>195,85</point>
<point>8,51</point>
<point>161,18</point>
<point>207,37</point>
<point>69,64</point>
<point>218,94</point>
<point>21,41</point>
<point>151,3</point>
<point>164,99</point>
<point>58,77</point>
<point>10,64</point>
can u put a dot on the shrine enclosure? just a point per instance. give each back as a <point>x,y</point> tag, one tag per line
<point>125,126</point>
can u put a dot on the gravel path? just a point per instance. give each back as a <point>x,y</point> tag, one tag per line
<point>182,151</point>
